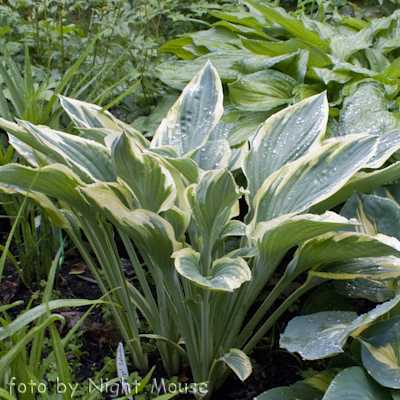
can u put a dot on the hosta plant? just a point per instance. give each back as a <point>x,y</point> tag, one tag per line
<point>175,201</point>
<point>372,368</point>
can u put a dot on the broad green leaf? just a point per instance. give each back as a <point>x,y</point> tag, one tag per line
<point>243,18</point>
<point>225,275</point>
<point>176,46</point>
<point>326,75</point>
<point>243,30</point>
<point>317,57</point>
<point>238,362</point>
<point>197,111</point>
<point>283,138</point>
<point>282,233</point>
<point>228,66</point>
<point>353,383</point>
<point>149,181</point>
<point>366,110</point>
<point>292,25</point>
<point>262,90</point>
<point>212,155</point>
<point>178,219</point>
<point>324,334</point>
<point>211,201</point>
<point>380,355</point>
<point>216,39</point>
<point>298,185</point>
<point>376,214</point>
<point>377,62</point>
<point>343,46</point>
<point>153,235</point>
<point>88,159</point>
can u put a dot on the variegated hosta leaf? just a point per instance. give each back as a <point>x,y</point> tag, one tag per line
<point>234,228</point>
<point>333,246</point>
<point>238,362</point>
<point>362,182</point>
<point>149,181</point>
<point>282,233</point>
<point>324,334</point>
<point>153,235</point>
<point>53,211</point>
<point>87,158</point>
<point>178,219</point>
<point>86,115</point>
<point>225,275</point>
<point>211,202</point>
<point>90,120</point>
<point>212,155</point>
<point>285,137</point>
<point>363,277</point>
<point>380,355</point>
<point>354,383</point>
<point>377,214</point>
<point>388,144</point>
<point>170,155</point>
<point>56,181</point>
<point>310,388</point>
<point>297,186</point>
<point>198,109</point>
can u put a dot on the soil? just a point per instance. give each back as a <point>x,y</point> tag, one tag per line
<point>272,367</point>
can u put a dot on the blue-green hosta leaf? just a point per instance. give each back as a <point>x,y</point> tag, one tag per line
<point>343,46</point>
<point>225,275</point>
<point>354,383</point>
<point>317,58</point>
<point>262,90</point>
<point>212,155</point>
<point>377,61</point>
<point>153,235</point>
<point>282,233</point>
<point>294,26</point>
<point>366,110</point>
<point>88,159</point>
<point>255,62</point>
<point>198,109</point>
<point>211,201</point>
<point>149,181</point>
<point>285,137</point>
<point>324,334</point>
<point>380,355</point>
<point>376,214</point>
<point>87,117</point>
<point>297,186</point>
<point>55,181</point>
<point>238,362</point>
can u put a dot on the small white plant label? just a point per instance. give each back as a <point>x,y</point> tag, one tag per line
<point>122,369</point>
